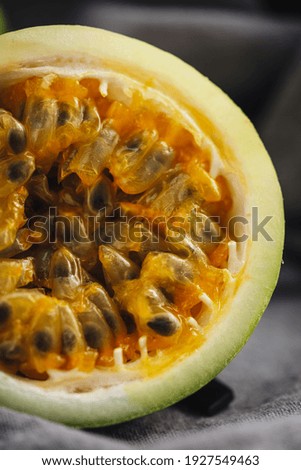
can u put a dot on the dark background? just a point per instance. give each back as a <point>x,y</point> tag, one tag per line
<point>252,50</point>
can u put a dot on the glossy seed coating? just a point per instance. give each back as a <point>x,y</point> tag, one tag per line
<point>72,335</point>
<point>117,267</point>
<point>39,188</point>
<point>15,273</point>
<point>139,163</point>
<point>40,120</point>
<point>72,231</point>
<point>23,297</point>
<point>46,330</point>
<point>90,269</point>
<point>100,196</point>
<point>15,171</point>
<point>22,243</point>
<point>99,297</point>
<point>11,216</point>
<point>88,160</point>
<point>96,331</point>
<point>134,239</point>
<point>65,274</point>
<point>12,134</point>
<point>17,139</point>
<point>168,268</point>
<point>42,258</point>
<point>169,192</point>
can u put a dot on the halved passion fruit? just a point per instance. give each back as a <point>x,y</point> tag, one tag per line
<point>141,226</point>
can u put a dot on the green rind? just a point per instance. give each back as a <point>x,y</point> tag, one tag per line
<point>241,313</point>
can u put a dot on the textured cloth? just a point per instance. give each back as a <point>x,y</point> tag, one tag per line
<point>256,60</point>
<point>266,413</point>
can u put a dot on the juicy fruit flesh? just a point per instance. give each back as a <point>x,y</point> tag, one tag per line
<point>109,282</point>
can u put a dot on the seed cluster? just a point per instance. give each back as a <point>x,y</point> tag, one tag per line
<point>89,261</point>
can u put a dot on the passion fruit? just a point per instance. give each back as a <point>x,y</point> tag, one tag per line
<point>141,226</point>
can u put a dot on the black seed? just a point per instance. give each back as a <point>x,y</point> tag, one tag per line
<point>17,140</point>
<point>42,340</point>
<point>61,270</point>
<point>109,317</point>
<point>98,200</point>
<point>188,192</point>
<point>10,351</point>
<point>86,113</point>
<point>164,325</point>
<point>63,117</point>
<point>132,274</point>
<point>100,196</point>
<point>93,334</point>
<point>129,321</point>
<point>68,341</point>
<point>5,312</point>
<point>134,143</point>
<point>168,295</point>
<point>17,171</point>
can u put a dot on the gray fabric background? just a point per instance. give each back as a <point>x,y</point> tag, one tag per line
<point>257,61</point>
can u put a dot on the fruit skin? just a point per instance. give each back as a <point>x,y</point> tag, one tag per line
<point>231,130</point>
